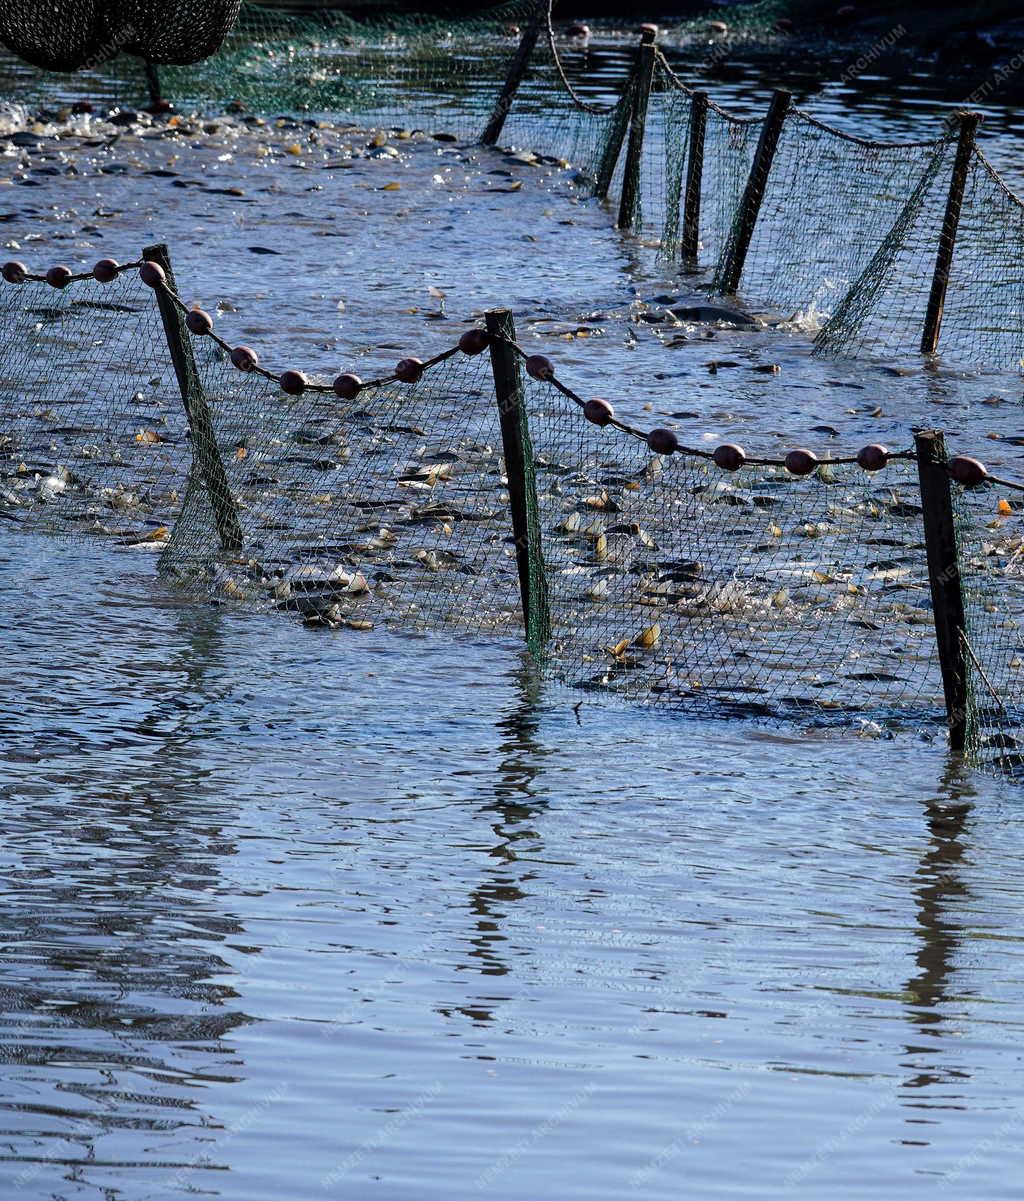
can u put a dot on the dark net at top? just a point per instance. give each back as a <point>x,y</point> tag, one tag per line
<point>64,35</point>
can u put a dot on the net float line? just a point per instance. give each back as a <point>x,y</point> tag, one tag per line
<point>59,276</point>
<point>728,456</point>
<point>293,382</point>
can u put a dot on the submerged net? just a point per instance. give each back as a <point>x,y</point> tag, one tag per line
<point>93,438</point>
<point>983,322</point>
<point>667,579</point>
<point>388,508</point>
<point>749,593</point>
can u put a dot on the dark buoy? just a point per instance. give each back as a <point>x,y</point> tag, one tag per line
<point>58,277</point>
<point>801,461</point>
<point>539,366</point>
<point>152,275</point>
<point>474,341</point>
<point>199,321</point>
<point>244,358</point>
<point>598,412</point>
<point>105,271</point>
<point>967,471</point>
<point>663,442</point>
<point>409,370</point>
<point>729,457</point>
<point>347,386</point>
<point>293,383</point>
<point>873,457</point>
<point>14,272</point>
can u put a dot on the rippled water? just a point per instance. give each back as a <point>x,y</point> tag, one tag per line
<point>297,914</point>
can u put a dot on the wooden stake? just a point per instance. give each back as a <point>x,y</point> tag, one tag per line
<point>197,408</point>
<point>690,244</point>
<point>753,193</point>
<point>968,123</point>
<point>517,69</point>
<point>944,577</point>
<point>644,76</point>
<point>519,469</point>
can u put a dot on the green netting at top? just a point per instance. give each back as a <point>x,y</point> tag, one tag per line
<point>829,201</point>
<point>93,437</point>
<point>884,312</point>
<point>406,71</point>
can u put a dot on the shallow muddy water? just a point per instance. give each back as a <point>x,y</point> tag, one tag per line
<point>292,913</point>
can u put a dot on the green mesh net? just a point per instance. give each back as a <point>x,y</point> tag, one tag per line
<point>983,322</point>
<point>92,434</point>
<point>829,200</point>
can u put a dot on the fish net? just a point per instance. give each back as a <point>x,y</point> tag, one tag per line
<point>990,535</point>
<point>883,314</point>
<point>84,33</point>
<point>829,200</point>
<point>93,439</point>
<point>666,579</point>
<point>389,508</point>
<point>725,154</point>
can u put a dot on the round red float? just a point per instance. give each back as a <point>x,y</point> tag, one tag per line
<point>199,321</point>
<point>801,461</point>
<point>152,275</point>
<point>58,277</point>
<point>539,366</point>
<point>293,382</point>
<point>599,412</point>
<point>474,341</point>
<point>14,272</point>
<point>873,457</point>
<point>663,442</point>
<point>244,358</point>
<point>347,386</point>
<point>729,457</point>
<point>105,271</point>
<point>967,471</point>
<point>409,370</point>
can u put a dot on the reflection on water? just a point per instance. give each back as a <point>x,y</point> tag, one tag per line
<point>288,914</point>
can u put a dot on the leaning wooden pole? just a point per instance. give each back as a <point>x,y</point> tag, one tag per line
<point>968,129</point>
<point>197,407</point>
<point>629,202</point>
<point>689,247</point>
<point>520,472</point>
<point>517,69</point>
<point>944,578</point>
<point>753,193</point>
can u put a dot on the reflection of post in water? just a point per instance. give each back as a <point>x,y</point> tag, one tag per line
<point>516,801</point>
<point>938,888</point>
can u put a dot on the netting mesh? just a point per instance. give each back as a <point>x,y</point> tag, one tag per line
<point>884,312</point>
<point>728,154</point>
<point>829,201</point>
<point>75,33</point>
<point>392,507</point>
<point>92,433</point>
<point>991,541</point>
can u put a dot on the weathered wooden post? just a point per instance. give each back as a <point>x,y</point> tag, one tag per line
<point>690,244</point>
<point>629,202</point>
<point>517,69</point>
<point>753,194</point>
<point>968,128</point>
<point>197,407</point>
<point>944,577</point>
<point>521,474</point>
